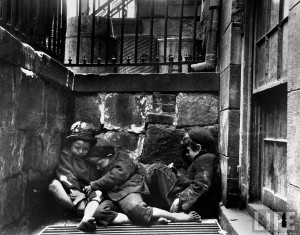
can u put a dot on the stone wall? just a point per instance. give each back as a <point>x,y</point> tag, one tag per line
<point>149,125</point>
<point>33,115</point>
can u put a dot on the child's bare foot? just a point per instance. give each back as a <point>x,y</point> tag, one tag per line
<point>87,226</point>
<point>190,217</point>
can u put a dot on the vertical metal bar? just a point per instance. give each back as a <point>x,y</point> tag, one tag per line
<point>195,29</point>
<point>8,11</point>
<point>44,23</point>
<point>93,32</point>
<point>107,30</point>
<point>122,31</point>
<point>166,30</point>
<point>180,31</point>
<point>59,28</point>
<point>151,29</point>
<point>77,4</point>
<point>78,33</point>
<point>136,30</point>
<point>64,27</point>
<point>54,26</point>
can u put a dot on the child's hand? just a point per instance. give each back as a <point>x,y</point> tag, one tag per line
<point>87,189</point>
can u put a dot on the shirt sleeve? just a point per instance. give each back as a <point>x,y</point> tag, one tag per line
<point>66,173</point>
<point>202,169</point>
<point>120,171</point>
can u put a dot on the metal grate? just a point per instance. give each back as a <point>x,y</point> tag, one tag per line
<point>171,228</point>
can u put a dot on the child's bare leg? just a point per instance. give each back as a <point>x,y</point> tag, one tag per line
<point>175,217</point>
<point>88,221</point>
<point>60,194</point>
<point>121,219</point>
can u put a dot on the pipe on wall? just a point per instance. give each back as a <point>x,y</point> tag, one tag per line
<point>211,50</point>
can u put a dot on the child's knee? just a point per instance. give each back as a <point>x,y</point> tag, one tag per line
<point>55,186</point>
<point>140,213</point>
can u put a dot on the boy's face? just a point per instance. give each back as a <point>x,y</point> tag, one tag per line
<point>80,148</point>
<point>190,153</point>
<point>102,164</point>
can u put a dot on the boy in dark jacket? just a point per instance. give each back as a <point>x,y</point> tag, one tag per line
<point>123,183</point>
<point>74,172</point>
<point>196,190</point>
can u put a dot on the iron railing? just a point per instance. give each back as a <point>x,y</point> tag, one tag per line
<point>153,22</point>
<point>40,23</point>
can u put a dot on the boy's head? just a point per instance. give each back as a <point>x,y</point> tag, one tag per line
<point>81,138</point>
<point>197,140</point>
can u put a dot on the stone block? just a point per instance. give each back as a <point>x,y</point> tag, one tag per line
<point>229,133</point>
<point>29,100</point>
<point>162,144</point>
<point>7,85</point>
<point>88,109</point>
<point>50,142</point>
<point>293,205</point>
<point>197,109</point>
<point>293,135</point>
<point>160,119</point>
<point>12,199</point>
<point>15,52</point>
<point>127,141</point>
<point>126,111</point>
<point>230,81</point>
<point>168,108</point>
<point>293,56</point>
<point>164,98</point>
<point>229,166</point>
<point>12,144</point>
<point>230,48</point>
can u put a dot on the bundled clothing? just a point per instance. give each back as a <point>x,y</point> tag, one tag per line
<point>75,173</point>
<point>195,189</point>
<point>124,185</point>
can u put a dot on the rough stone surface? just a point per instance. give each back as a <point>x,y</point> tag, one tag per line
<point>197,109</point>
<point>126,111</point>
<point>293,205</point>
<point>230,87</point>
<point>12,199</point>
<point>229,133</point>
<point>162,144</point>
<point>293,47</point>
<point>160,119</point>
<point>88,109</point>
<point>293,135</point>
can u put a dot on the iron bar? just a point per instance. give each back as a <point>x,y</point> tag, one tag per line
<point>59,28</point>
<point>107,31</point>
<point>136,30</point>
<point>55,25</point>
<point>122,31</point>
<point>180,34</point>
<point>166,29</point>
<point>64,28</point>
<point>151,29</point>
<point>78,32</point>
<point>195,29</point>
<point>93,32</point>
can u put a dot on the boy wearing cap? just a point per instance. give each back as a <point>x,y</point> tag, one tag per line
<point>196,189</point>
<point>74,172</point>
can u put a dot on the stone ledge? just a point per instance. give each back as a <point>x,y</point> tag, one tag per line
<point>13,51</point>
<point>239,222</point>
<point>192,82</point>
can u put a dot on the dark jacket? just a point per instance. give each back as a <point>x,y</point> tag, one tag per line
<point>121,178</point>
<point>195,187</point>
<point>74,172</point>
